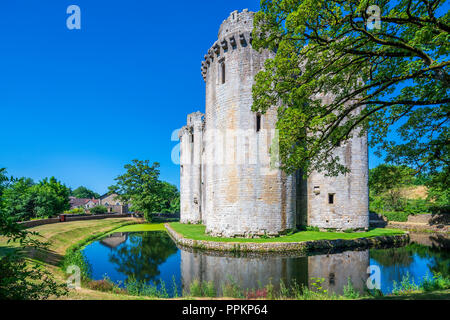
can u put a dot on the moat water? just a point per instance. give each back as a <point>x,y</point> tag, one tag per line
<point>153,258</point>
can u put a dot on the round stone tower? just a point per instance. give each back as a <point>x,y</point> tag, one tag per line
<point>229,176</point>
<point>241,195</point>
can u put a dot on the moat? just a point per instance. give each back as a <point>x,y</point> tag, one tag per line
<point>152,257</point>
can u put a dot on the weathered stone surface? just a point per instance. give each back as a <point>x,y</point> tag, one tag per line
<point>225,179</point>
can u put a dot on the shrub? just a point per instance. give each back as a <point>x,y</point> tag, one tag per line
<point>440,209</point>
<point>99,210</point>
<point>437,282</point>
<point>396,216</point>
<point>105,285</point>
<point>75,211</point>
<point>406,286</point>
<point>418,206</point>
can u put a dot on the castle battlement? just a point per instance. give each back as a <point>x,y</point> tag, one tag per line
<point>235,32</point>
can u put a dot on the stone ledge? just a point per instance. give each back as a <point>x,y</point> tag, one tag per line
<point>294,247</point>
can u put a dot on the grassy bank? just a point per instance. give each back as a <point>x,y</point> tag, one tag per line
<point>197,232</point>
<point>62,236</point>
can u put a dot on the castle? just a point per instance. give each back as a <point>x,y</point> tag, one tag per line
<point>228,177</point>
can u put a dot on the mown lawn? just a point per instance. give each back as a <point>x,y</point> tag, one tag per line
<point>197,232</point>
<point>142,228</point>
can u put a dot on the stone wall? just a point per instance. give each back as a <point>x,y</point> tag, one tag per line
<point>191,137</point>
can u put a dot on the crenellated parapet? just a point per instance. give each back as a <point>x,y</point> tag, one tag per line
<point>235,33</point>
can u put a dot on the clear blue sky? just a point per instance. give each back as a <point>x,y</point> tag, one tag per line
<point>80,104</point>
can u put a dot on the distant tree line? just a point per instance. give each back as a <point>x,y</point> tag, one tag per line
<point>23,199</point>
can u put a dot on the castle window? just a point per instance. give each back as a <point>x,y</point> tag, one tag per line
<point>223,72</point>
<point>192,138</point>
<point>331,198</point>
<point>258,122</point>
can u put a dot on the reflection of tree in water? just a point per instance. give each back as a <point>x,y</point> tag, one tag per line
<point>143,254</point>
<point>393,256</point>
<point>438,257</point>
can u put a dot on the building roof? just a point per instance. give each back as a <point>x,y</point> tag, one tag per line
<point>77,202</point>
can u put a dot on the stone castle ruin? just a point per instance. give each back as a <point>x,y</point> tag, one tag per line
<point>229,178</point>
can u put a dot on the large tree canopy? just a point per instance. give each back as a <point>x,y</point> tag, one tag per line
<point>140,186</point>
<point>382,77</point>
<point>84,193</point>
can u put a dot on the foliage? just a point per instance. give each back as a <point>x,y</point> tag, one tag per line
<point>99,210</point>
<point>141,187</point>
<point>84,193</point>
<point>387,182</point>
<point>436,282</point>
<point>3,180</point>
<point>399,216</point>
<point>75,257</point>
<point>439,189</point>
<point>25,200</point>
<point>349,290</point>
<point>75,211</point>
<point>387,177</point>
<point>375,80</point>
<point>21,279</point>
<point>406,286</point>
<point>140,288</point>
<point>230,289</point>
<point>202,289</point>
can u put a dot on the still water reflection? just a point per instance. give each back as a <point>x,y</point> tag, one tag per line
<point>154,258</point>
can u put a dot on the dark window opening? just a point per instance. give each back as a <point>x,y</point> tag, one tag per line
<point>223,73</point>
<point>258,122</point>
<point>192,138</point>
<point>332,279</point>
<point>331,198</point>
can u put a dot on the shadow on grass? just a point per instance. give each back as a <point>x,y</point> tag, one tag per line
<point>44,256</point>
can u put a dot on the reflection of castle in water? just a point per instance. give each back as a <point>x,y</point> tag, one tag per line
<point>114,240</point>
<point>255,272</point>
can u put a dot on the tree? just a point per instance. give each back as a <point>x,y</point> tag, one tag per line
<point>21,279</point>
<point>3,180</point>
<point>24,199</point>
<point>385,183</point>
<point>141,187</point>
<point>387,177</point>
<point>170,198</point>
<point>84,193</point>
<point>394,77</point>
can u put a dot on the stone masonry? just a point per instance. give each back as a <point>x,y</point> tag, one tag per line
<point>229,180</point>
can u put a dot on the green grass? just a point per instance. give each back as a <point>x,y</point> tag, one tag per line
<point>197,232</point>
<point>142,228</point>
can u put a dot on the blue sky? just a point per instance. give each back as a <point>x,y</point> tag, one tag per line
<point>80,104</point>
